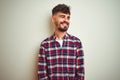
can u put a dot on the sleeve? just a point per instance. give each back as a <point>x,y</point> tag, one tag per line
<point>79,63</point>
<point>42,65</point>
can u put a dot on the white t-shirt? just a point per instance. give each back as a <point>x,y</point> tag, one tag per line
<point>60,42</point>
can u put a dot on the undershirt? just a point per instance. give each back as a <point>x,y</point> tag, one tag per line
<point>60,42</point>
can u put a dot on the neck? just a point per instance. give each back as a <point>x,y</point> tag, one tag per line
<point>59,35</point>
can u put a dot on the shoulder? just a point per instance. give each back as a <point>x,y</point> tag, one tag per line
<point>47,40</point>
<point>74,38</point>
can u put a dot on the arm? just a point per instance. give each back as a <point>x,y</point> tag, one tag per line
<point>42,65</point>
<point>79,63</point>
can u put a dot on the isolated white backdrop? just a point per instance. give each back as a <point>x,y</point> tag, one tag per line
<point>25,23</point>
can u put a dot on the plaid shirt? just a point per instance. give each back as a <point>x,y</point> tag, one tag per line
<point>61,63</point>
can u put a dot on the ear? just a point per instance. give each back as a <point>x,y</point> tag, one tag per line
<point>53,19</point>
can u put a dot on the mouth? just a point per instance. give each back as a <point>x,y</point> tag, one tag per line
<point>65,24</point>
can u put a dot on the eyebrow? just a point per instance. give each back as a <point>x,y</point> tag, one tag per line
<point>64,15</point>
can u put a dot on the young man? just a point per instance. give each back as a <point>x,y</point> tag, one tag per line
<point>61,55</point>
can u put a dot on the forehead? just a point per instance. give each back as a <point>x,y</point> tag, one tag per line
<point>60,13</point>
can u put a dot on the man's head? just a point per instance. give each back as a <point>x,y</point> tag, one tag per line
<point>61,8</point>
<point>61,17</point>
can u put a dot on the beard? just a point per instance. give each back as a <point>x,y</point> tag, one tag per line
<point>64,28</point>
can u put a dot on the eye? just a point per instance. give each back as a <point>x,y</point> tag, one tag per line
<point>68,17</point>
<point>62,16</point>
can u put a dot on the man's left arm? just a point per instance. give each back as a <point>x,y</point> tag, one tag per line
<point>79,63</point>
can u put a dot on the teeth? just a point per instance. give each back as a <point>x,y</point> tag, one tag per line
<point>65,24</point>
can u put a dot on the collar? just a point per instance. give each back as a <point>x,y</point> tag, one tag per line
<point>66,36</point>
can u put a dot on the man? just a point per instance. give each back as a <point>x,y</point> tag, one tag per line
<point>61,55</point>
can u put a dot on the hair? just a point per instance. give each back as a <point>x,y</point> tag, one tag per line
<point>61,8</point>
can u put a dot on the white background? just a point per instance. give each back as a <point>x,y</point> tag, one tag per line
<point>25,23</point>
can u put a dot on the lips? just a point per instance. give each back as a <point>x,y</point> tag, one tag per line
<point>64,23</point>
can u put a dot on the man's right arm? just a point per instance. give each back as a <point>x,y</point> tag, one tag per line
<point>42,65</point>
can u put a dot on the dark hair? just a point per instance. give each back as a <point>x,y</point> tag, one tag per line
<point>61,8</point>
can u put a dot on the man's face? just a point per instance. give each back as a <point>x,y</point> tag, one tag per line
<point>61,21</point>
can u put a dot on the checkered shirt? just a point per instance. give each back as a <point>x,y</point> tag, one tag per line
<point>61,63</point>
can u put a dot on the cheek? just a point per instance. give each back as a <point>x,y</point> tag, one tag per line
<point>60,20</point>
<point>68,22</point>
